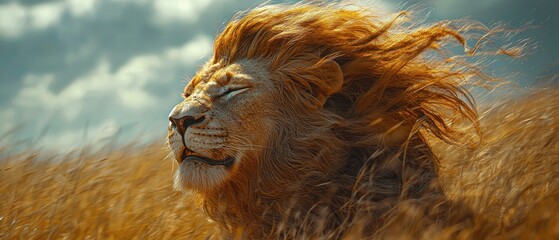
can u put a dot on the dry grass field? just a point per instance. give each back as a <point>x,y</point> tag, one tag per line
<point>510,180</point>
<point>125,195</point>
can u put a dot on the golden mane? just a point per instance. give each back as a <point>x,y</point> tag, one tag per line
<point>383,70</point>
<point>359,97</point>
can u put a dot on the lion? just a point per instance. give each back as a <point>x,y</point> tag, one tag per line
<point>310,116</point>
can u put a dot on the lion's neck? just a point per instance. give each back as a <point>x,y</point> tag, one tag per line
<point>288,180</point>
<point>311,177</point>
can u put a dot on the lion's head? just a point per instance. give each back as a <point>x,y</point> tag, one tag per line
<point>317,103</point>
<point>213,129</point>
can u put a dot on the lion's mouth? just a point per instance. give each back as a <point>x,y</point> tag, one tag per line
<point>188,155</point>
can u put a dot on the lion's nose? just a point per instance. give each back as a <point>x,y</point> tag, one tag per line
<point>182,123</point>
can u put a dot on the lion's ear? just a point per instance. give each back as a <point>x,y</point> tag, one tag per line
<point>330,80</point>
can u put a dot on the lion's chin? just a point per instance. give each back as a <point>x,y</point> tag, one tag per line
<point>199,176</point>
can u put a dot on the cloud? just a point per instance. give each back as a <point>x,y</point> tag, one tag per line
<point>173,11</point>
<point>36,92</point>
<point>16,19</point>
<point>12,20</point>
<point>102,97</point>
<point>183,11</point>
<point>7,117</point>
<point>45,15</point>
<point>190,51</point>
<point>72,138</point>
<point>80,8</point>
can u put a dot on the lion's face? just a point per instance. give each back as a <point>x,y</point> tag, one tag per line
<point>222,119</point>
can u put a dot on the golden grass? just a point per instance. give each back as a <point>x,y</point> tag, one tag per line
<point>510,181</point>
<point>126,195</point>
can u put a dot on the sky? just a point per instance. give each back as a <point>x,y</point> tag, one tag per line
<point>75,72</point>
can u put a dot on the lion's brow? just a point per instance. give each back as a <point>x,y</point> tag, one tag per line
<point>222,79</point>
<point>191,85</point>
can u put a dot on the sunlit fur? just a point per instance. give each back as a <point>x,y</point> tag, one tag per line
<point>192,175</point>
<point>357,97</point>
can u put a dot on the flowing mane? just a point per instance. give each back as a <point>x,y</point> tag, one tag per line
<point>359,96</point>
<point>385,70</point>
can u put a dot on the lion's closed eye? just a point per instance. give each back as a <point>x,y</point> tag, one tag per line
<point>230,92</point>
